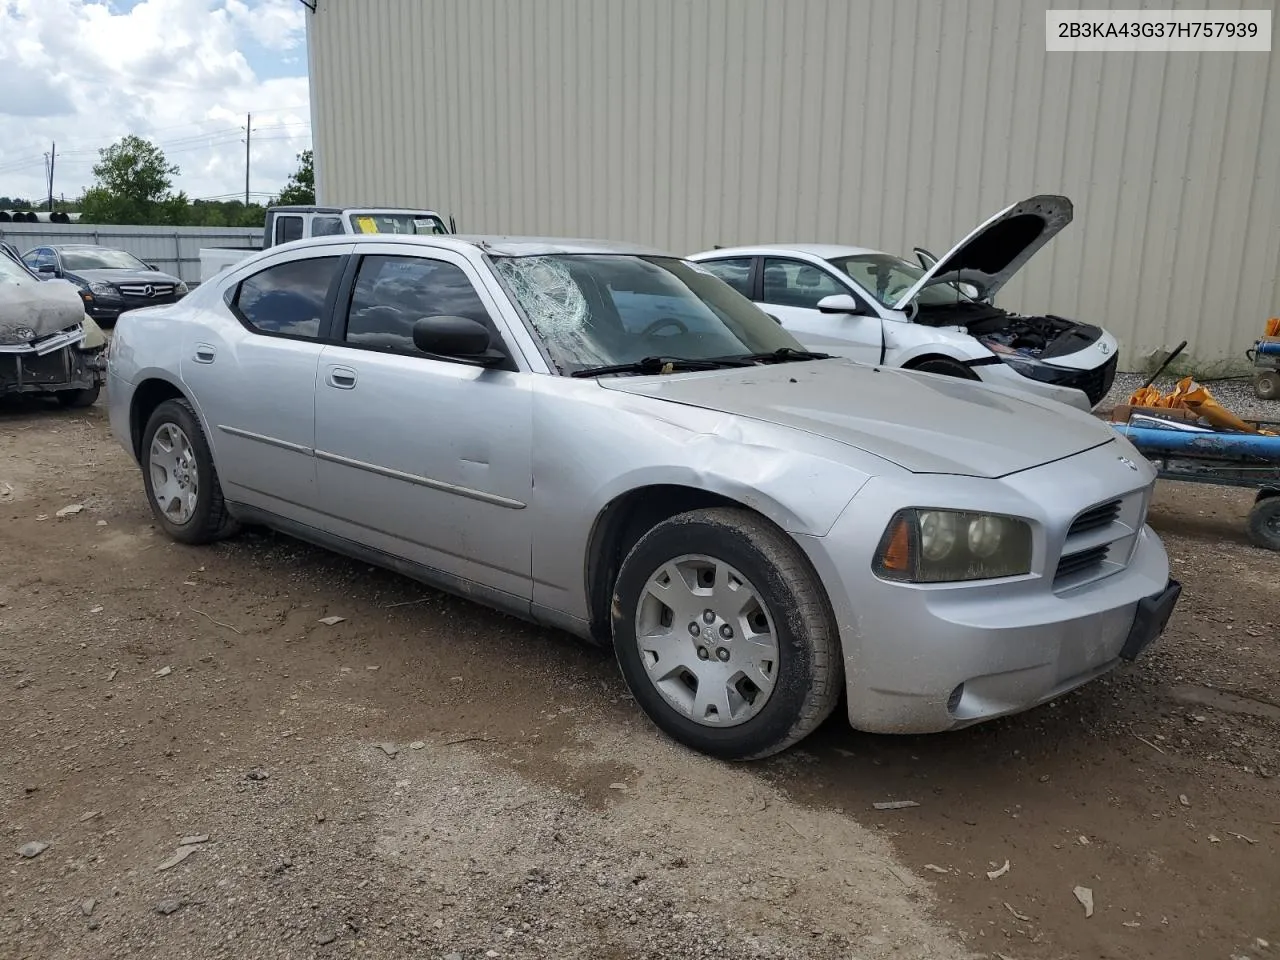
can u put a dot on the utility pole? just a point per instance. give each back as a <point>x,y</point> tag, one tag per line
<point>49,159</point>
<point>248,132</point>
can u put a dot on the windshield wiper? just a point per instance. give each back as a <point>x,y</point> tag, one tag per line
<point>781,355</point>
<point>663,365</point>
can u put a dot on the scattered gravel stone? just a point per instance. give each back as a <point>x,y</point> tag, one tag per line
<point>33,849</point>
<point>167,907</point>
<point>86,906</point>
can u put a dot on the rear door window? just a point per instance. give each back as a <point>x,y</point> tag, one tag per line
<point>287,299</point>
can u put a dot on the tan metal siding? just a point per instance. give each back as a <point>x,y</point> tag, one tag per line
<point>889,123</point>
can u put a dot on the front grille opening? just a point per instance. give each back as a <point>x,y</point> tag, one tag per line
<point>1083,562</point>
<point>1095,518</point>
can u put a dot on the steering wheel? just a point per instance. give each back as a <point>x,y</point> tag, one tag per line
<point>661,322</point>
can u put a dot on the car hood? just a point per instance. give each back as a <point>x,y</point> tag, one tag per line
<point>124,276</point>
<point>32,311</point>
<point>924,423</point>
<point>995,251</point>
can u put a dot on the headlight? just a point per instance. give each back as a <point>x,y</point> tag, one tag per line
<point>946,546</point>
<point>1026,365</point>
<point>102,289</point>
<point>181,289</point>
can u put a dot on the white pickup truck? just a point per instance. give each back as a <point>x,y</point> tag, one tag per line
<point>294,223</point>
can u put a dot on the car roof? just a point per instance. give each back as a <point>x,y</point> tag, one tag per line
<point>502,246</point>
<point>77,246</point>
<point>825,251</point>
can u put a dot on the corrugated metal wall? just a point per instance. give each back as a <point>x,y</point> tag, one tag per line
<point>888,123</point>
<point>175,250</point>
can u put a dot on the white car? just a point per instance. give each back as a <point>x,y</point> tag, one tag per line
<point>877,308</point>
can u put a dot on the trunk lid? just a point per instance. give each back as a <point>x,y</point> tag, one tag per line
<point>924,423</point>
<point>997,249</point>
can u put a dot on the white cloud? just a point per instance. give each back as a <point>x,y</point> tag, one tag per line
<point>276,24</point>
<point>85,72</point>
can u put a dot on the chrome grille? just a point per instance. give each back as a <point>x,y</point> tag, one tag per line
<point>146,291</point>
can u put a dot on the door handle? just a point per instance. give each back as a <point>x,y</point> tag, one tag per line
<point>344,378</point>
<point>205,352</point>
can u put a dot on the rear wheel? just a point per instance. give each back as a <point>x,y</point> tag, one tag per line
<point>724,635</point>
<point>77,399</point>
<point>1264,522</point>
<point>179,476</point>
<point>1267,385</point>
<point>946,367</point>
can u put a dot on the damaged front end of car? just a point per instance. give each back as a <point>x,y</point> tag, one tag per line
<point>1030,346</point>
<point>48,345</point>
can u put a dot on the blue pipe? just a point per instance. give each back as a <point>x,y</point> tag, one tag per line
<point>1214,444</point>
<point>1268,348</point>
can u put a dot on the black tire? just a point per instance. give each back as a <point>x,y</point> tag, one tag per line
<point>945,367</point>
<point>210,520</point>
<point>809,674</point>
<point>78,399</point>
<point>1267,385</point>
<point>1264,522</point>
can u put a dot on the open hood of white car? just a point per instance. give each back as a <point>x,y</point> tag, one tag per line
<point>994,252</point>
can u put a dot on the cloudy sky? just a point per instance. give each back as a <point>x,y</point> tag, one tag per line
<point>182,73</point>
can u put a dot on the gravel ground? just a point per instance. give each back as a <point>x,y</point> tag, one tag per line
<point>429,779</point>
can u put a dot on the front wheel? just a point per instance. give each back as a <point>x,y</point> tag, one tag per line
<point>179,476</point>
<point>724,635</point>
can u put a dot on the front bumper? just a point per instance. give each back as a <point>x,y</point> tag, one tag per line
<point>108,309</point>
<point>65,368</point>
<point>1082,389</point>
<point>928,658</point>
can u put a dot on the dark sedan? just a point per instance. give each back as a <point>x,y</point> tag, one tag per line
<point>111,281</point>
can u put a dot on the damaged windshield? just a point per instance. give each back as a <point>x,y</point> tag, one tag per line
<point>10,272</point>
<point>595,310</point>
<point>887,278</point>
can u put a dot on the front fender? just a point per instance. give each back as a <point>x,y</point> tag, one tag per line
<point>593,446</point>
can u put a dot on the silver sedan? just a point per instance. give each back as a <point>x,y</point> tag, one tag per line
<point>610,440</point>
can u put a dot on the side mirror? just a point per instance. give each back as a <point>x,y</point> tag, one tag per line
<point>48,268</point>
<point>458,338</point>
<point>839,303</point>
<point>152,266</point>
<point>926,258</point>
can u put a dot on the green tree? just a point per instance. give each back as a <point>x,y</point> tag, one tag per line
<point>301,188</point>
<point>132,184</point>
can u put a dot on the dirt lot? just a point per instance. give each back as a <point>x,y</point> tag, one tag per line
<point>428,779</point>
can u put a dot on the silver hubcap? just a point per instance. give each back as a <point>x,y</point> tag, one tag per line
<point>174,477</point>
<point>707,641</point>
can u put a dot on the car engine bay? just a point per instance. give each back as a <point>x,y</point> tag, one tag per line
<point>1036,337</point>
